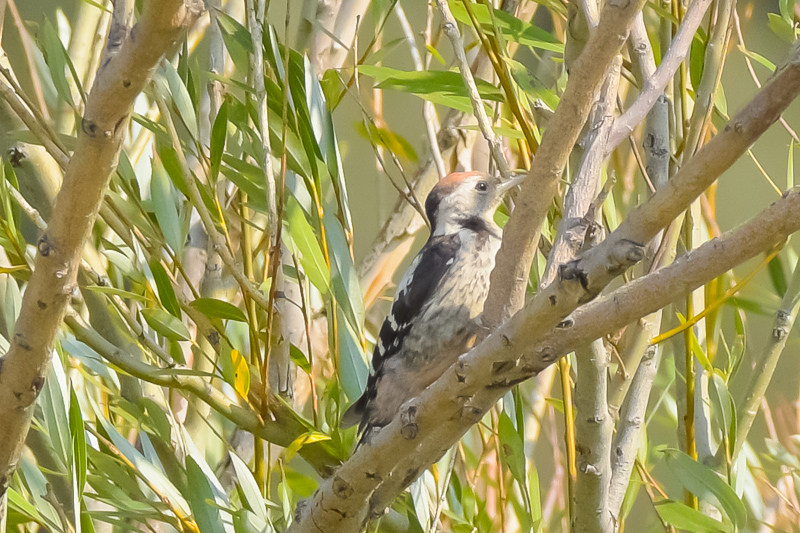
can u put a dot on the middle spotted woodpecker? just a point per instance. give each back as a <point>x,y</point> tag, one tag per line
<point>433,316</point>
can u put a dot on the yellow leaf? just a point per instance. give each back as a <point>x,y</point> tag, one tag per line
<point>12,269</point>
<point>241,374</point>
<point>302,440</point>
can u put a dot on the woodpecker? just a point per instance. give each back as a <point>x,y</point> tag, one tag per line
<point>433,316</point>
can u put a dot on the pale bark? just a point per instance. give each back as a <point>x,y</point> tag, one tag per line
<point>541,333</point>
<point>429,424</point>
<point>654,85</point>
<point>520,241</point>
<point>53,281</point>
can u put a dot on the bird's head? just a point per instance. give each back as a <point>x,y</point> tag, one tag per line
<point>462,197</point>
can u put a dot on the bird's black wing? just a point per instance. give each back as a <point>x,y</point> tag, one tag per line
<point>417,286</point>
<point>415,289</point>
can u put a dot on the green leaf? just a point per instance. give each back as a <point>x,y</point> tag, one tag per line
<point>344,278</point>
<point>78,441</point>
<point>353,365</point>
<point>241,373</point>
<point>249,487</point>
<point>724,407</point>
<point>180,97</point>
<point>704,483</point>
<point>513,448</point>
<point>56,58</point>
<point>236,38</point>
<point>435,53</point>
<point>511,28</point>
<point>54,401</point>
<point>10,301</point>
<point>213,308</point>
<point>777,275</point>
<point>299,358</point>
<point>781,27</point>
<point>201,499</point>
<point>306,438</point>
<point>246,522</point>
<point>697,57</point>
<point>219,134</point>
<point>163,200</point>
<point>684,517</point>
<point>720,101</point>
<point>758,58</point>
<point>126,295</point>
<point>166,324</point>
<point>16,502</point>
<point>147,469</point>
<point>533,89</point>
<point>166,292</point>
<point>305,241</point>
<point>440,87</point>
<point>694,345</point>
<point>388,139</point>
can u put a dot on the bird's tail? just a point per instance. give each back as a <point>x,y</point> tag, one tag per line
<point>355,413</point>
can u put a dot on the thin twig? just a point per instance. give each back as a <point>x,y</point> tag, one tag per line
<point>431,122</point>
<point>256,19</point>
<point>35,122</point>
<point>738,27</point>
<point>654,85</point>
<point>451,29</point>
<point>29,210</point>
<point>218,240</point>
<point>521,233</point>
<point>783,322</point>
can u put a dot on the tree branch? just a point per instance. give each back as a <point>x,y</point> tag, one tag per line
<point>119,81</point>
<point>428,425</point>
<point>282,429</point>
<point>654,85</point>
<point>521,236</point>
<point>593,424</point>
<point>451,29</point>
<point>765,367</point>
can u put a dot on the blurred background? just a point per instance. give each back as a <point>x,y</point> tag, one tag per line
<point>746,189</point>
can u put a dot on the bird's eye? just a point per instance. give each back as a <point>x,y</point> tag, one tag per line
<point>482,186</point>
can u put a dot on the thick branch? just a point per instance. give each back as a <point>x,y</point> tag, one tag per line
<point>282,429</point>
<point>428,425</point>
<point>521,237</point>
<point>593,424</point>
<point>654,85</point>
<point>119,81</point>
<point>438,417</point>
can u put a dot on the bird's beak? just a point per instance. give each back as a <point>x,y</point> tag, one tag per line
<point>516,179</point>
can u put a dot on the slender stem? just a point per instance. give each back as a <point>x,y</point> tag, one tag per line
<point>431,122</point>
<point>451,29</point>
<point>783,322</point>
<point>497,58</point>
<point>256,14</point>
<point>654,85</point>
<point>569,432</point>
<point>218,239</point>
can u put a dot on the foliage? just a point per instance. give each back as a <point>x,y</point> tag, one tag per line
<point>146,420</point>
